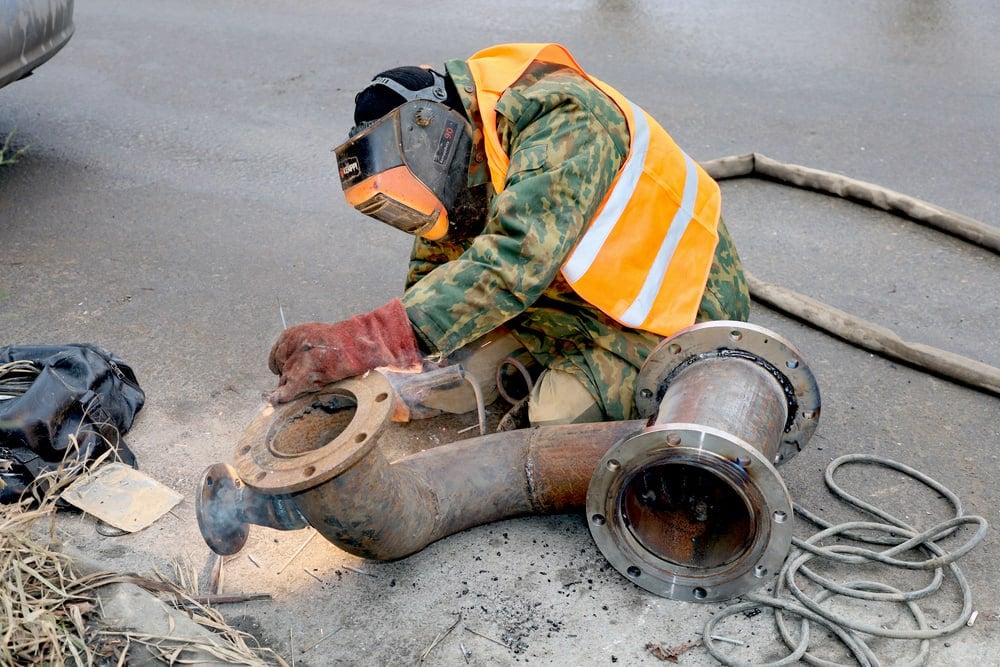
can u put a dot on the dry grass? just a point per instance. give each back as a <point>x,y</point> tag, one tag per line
<point>46,609</point>
<point>50,614</point>
<point>8,153</point>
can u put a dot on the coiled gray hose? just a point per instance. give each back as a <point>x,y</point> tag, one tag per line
<point>525,375</point>
<point>899,537</point>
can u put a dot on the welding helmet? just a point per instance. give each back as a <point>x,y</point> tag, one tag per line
<point>409,168</point>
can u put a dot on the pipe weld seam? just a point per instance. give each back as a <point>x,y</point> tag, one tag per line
<point>529,471</point>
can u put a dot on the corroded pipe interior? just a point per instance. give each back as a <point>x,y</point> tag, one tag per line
<point>687,515</point>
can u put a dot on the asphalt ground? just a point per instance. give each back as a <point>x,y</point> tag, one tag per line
<point>178,183</point>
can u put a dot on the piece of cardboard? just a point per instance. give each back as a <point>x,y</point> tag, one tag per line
<point>121,496</point>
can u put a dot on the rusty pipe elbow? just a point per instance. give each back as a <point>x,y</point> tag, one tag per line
<point>317,458</point>
<point>385,511</point>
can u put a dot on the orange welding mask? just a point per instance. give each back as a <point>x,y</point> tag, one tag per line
<point>409,168</point>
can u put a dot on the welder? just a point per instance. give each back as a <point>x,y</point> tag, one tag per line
<point>544,204</point>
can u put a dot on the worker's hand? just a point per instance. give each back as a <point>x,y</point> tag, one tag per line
<point>312,355</point>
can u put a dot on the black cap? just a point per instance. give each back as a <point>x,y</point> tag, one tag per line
<point>393,87</point>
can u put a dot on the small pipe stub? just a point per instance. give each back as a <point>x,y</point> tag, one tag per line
<point>226,507</point>
<point>219,512</point>
<point>692,507</point>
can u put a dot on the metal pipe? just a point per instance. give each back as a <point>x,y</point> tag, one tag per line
<point>683,502</point>
<point>731,394</point>
<point>692,507</point>
<point>387,511</point>
<point>300,465</point>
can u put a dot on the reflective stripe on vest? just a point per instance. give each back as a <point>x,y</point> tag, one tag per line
<point>582,257</point>
<point>644,258</point>
<point>638,312</point>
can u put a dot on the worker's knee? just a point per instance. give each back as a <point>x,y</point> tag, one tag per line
<point>560,398</point>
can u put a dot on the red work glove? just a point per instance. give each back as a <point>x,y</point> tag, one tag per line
<point>312,355</point>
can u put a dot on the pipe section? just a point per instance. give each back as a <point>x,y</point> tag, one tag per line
<point>692,506</point>
<point>387,511</point>
<point>315,462</point>
<point>685,502</point>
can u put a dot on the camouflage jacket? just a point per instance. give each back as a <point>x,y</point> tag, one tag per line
<point>566,141</point>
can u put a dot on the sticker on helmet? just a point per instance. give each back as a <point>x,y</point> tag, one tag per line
<point>446,143</point>
<point>349,168</point>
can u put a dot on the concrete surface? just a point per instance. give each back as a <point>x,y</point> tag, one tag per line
<point>179,182</point>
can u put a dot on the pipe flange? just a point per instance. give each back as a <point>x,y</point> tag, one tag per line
<point>217,507</point>
<point>742,340</point>
<point>301,444</point>
<point>690,513</point>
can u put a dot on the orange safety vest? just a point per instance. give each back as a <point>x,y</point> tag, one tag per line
<point>644,258</point>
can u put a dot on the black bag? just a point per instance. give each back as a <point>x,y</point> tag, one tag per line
<point>57,392</point>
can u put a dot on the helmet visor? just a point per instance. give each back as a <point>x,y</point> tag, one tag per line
<point>408,168</point>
